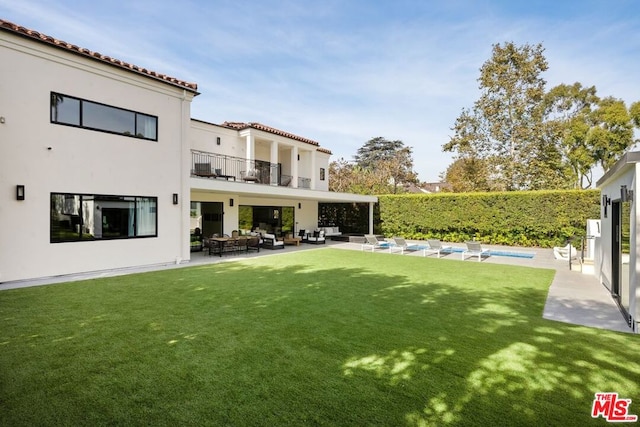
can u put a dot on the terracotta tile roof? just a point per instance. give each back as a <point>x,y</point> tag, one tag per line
<point>260,126</point>
<point>43,38</point>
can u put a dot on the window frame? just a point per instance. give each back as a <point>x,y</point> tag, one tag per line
<point>138,117</point>
<point>80,219</point>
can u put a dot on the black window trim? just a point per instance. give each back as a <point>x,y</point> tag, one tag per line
<point>93,195</point>
<point>80,118</point>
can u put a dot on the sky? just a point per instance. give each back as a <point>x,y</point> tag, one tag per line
<point>341,72</point>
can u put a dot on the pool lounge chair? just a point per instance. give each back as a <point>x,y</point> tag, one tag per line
<point>373,243</point>
<point>436,247</point>
<point>401,246</point>
<point>475,249</point>
<point>565,253</point>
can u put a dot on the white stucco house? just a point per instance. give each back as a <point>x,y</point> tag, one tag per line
<point>617,250</point>
<point>102,166</point>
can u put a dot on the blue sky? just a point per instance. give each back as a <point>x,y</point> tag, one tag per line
<point>342,72</point>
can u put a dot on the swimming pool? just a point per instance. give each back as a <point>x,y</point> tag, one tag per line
<point>491,252</point>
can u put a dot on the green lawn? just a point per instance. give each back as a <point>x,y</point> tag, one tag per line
<point>323,337</point>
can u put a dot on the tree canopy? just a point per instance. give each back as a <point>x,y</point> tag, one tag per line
<point>380,167</point>
<point>523,137</point>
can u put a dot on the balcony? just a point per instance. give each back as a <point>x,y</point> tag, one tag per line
<point>216,166</point>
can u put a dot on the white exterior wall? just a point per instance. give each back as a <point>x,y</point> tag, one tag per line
<point>603,258</point>
<point>203,136</point>
<point>84,161</point>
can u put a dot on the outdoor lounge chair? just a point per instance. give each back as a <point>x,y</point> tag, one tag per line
<point>317,237</point>
<point>373,243</point>
<point>565,253</point>
<point>475,249</point>
<point>401,246</point>
<point>436,247</point>
<point>270,242</point>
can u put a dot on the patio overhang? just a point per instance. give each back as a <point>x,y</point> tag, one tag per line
<point>253,190</point>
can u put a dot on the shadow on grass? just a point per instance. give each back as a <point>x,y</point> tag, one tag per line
<point>363,341</point>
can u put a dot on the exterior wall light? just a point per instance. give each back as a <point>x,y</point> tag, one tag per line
<point>175,198</point>
<point>19,192</point>
<point>625,194</point>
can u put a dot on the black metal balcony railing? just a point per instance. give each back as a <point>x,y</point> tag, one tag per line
<point>217,166</point>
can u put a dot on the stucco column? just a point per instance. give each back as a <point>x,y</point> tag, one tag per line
<point>371,205</point>
<point>294,167</point>
<point>314,172</point>
<point>251,151</point>
<point>274,162</point>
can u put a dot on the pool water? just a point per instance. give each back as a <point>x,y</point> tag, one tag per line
<point>491,252</point>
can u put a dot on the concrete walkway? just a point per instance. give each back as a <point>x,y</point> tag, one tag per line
<point>573,297</point>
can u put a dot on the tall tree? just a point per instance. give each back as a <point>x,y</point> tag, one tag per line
<point>391,159</point>
<point>568,119</point>
<point>351,178</point>
<point>505,123</point>
<point>588,130</point>
<point>529,139</point>
<point>612,134</point>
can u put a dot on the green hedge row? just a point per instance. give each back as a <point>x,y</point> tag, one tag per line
<point>528,218</point>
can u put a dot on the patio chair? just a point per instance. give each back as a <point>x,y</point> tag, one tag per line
<point>475,249</point>
<point>564,253</point>
<point>242,244</point>
<point>373,243</point>
<point>317,237</point>
<point>436,247</point>
<point>270,242</point>
<point>204,170</point>
<point>253,244</point>
<point>401,245</point>
<point>249,176</point>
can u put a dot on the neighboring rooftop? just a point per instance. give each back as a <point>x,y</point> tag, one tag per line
<point>43,38</point>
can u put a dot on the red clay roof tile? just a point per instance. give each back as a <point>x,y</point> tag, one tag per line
<point>43,38</point>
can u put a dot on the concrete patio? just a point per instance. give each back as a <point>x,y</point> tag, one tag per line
<point>573,297</point>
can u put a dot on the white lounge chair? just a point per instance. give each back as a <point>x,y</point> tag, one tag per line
<point>401,246</point>
<point>475,249</point>
<point>373,243</point>
<point>566,252</point>
<point>436,247</point>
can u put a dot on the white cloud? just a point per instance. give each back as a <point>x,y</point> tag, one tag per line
<point>343,72</point>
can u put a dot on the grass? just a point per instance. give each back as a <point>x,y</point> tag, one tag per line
<point>324,337</point>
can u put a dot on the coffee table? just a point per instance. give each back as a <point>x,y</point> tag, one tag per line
<point>292,241</point>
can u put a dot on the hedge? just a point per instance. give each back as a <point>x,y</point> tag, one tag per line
<point>527,218</point>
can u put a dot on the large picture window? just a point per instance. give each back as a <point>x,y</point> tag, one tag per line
<point>76,217</point>
<point>71,111</point>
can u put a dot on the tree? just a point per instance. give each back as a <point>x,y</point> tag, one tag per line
<point>612,133</point>
<point>468,174</point>
<point>529,139</point>
<point>634,112</point>
<point>390,159</point>
<point>351,178</point>
<point>568,117</point>
<point>505,122</point>
<point>588,130</point>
